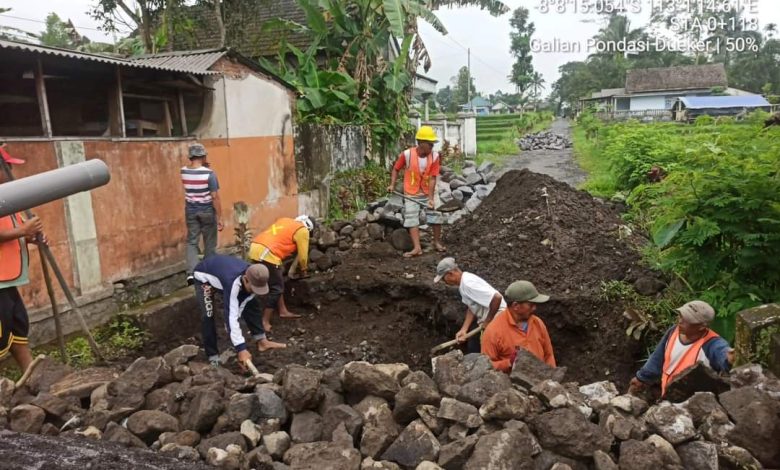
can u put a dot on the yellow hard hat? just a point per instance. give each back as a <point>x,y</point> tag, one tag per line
<point>427,134</point>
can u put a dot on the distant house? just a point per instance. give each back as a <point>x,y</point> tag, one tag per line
<point>502,108</point>
<point>479,105</point>
<point>653,92</point>
<point>689,108</point>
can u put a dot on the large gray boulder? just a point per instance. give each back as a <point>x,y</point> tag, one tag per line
<point>528,370</point>
<point>414,445</point>
<point>569,433</point>
<point>361,379</point>
<point>301,388</point>
<point>757,418</point>
<point>508,449</point>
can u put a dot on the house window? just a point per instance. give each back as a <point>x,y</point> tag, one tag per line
<point>19,111</point>
<point>623,104</point>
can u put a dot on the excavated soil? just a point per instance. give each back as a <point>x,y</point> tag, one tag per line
<point>378,306</point>
<point>29,451</point>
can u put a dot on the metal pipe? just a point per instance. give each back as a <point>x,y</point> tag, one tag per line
<point>35,190</point>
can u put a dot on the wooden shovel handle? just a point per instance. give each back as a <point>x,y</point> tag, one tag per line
<point>454,342</point>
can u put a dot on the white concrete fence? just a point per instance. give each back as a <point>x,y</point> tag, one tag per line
<point>461,132</point>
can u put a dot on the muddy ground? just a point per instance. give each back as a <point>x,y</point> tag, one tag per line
<point>378,306</point>
<point>29,451</point>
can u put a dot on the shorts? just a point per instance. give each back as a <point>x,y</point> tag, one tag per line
<point>14,323</point>
<point>412,213</point>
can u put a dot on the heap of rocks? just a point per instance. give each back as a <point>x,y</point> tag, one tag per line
<point>544,140</point>
<point>383,219</point>
<point>385,416</point>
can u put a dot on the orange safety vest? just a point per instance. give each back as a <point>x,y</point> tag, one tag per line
<point>13,253</point>
<point>687,360</point>
<point>414,182</point>
<point>278,238</point>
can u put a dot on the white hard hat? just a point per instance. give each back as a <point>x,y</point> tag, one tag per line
<point>306,220</point>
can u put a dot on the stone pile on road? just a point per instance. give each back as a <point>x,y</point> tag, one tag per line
<point>383,219</point>
<point>544,140</point>
<point>363,416</point>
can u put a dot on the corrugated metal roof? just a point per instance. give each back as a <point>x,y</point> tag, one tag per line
<point>715,102</point>
<point>196,62</point>
<point>186,61</point>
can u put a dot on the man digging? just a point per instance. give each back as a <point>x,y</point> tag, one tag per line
<point>684,345</point>
<point>421,166</point>
<point>481,299</point>
<point>240,283</point>
<point>270,248</point>
<point>518,327</point>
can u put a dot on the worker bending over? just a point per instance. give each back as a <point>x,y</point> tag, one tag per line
<point>481,299</point>
<point>518,327</point>
<point>684,345</point>
<point>421,166</point>
<point>240,283</point>
<point>271,247</point>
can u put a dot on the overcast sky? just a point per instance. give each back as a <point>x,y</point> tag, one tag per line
<point>486,36</point>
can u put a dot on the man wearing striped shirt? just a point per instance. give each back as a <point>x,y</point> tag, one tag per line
<point>203,208</point>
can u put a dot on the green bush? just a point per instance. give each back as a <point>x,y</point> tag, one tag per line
<point>352,190</point>
<point>715,217</point>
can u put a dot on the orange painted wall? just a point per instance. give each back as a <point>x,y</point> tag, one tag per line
<point>40,157</point>
<point>139,214</point>
<point>259,171</point>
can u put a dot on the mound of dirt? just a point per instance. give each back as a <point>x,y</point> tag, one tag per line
<point>566,241</point>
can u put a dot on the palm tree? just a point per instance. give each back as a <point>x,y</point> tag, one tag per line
<point>537,84</point>
<point>618,27</point>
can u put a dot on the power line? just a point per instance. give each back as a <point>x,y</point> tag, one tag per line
<point>43,22</point>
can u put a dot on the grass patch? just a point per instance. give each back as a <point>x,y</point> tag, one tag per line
<point>119,337</point>
<point>601,180</point>
<point>496,134</point>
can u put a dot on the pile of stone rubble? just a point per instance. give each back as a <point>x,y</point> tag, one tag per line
<point>544,140</point>
<point>384,416</point>
<point>383,219</point>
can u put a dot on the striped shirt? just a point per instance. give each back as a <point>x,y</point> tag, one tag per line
<point>199,183</point>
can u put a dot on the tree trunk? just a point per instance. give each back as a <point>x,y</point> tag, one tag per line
<point>146,28</point>
<point>220,22</point>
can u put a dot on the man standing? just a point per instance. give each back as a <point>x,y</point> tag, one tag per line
<point>14,262</point>
<point>271,247</point>
<point>421,166</point>
<point>518,327</point>
<point>481,299</point>
<point>203,208</point>
<point>684,345</point>
<point>239,283</point>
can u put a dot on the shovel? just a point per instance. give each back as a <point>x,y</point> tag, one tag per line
<point>450,206</point>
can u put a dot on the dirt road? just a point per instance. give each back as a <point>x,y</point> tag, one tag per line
<point>559,164</point>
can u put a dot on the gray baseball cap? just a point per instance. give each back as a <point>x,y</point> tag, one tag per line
<point>258,278</point>
<point>197,151</point>
<point>446,265</point>
<point>524,291</point>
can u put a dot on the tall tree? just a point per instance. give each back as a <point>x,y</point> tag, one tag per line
<point>56,33</point>
<point>463,87</point>
<point>444,99</point>
<point>522,30</point>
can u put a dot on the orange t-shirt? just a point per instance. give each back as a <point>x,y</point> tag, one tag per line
<point>502,336</point>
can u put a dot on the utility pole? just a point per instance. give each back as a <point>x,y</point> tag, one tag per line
<point>468,82</point>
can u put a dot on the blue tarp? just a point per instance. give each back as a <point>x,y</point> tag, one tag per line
<point>717,102</point>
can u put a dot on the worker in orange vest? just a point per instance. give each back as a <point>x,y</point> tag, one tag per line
<point>421,167</point>
<point>15,233</point>
<point>271,247</point>
<point>684,345</point>
<point>518,327</point>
